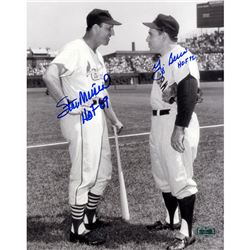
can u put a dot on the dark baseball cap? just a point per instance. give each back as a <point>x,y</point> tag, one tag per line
<point>165,23</point>
<point>97,16</point>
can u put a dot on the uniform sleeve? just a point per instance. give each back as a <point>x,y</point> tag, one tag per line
<point>68,57</point>
<point>186,100</point>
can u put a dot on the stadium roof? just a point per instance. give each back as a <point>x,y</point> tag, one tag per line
<point>39,51</point>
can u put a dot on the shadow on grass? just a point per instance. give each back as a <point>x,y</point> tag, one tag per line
<point>56,229</point>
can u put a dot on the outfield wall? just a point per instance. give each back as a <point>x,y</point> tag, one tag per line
<point>132,78</point>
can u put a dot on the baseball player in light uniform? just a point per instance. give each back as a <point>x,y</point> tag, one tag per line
<point>80,67</point>
<point>174,133</point>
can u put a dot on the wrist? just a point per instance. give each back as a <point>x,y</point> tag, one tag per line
<point>179,129</point>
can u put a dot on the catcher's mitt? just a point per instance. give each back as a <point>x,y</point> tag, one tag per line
<point>170,94</point>
<point>199,96</point>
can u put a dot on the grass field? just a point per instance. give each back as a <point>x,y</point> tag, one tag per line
<point>48,221</point>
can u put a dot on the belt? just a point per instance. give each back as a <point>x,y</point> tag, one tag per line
<point>161,112</point>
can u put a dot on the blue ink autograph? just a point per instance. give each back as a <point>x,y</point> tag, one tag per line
<point>158,69</point>
<point>181,63</point>
<point>174,58</point>
<point>83,97</point>
<point>87,115</point>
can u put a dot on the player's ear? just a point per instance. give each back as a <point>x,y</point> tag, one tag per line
<point>165,36</point>
<point>96,28</point>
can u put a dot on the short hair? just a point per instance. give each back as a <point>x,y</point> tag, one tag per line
<point>90,27</point>
<point>174,39</point>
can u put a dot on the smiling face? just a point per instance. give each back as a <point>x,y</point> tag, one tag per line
<point>105,32</point>
<point>155,40</point>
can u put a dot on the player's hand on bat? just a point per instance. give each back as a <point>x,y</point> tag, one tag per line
<point>177,139</point>
<point>119,126</point>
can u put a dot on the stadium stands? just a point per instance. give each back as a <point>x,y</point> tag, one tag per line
<point>209,49</point>
<point>38,70</point>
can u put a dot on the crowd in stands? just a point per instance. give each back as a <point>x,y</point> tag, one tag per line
<point>208,48</point>
<point>211,61</point>
<point>38,70</point>
<point>129,64</point>
<point>120,64</point>
<point>142,63</point>
<point>206,43</point>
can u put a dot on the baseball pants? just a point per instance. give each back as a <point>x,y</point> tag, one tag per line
<point>173,171</point>
<point>90,156</point>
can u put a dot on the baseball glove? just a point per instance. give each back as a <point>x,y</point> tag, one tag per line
<point>199,96</point>
<point>170,94</point>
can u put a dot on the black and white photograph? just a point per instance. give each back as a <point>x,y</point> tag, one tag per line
<point>125,125</point>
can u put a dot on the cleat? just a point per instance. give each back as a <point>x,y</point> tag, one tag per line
<point>97,224</point>
<point>158,225</point>
<point>90,238</point>
<point>180,243</point>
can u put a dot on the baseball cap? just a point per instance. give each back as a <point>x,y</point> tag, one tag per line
<point>165,23</point>
<point>97,16</point>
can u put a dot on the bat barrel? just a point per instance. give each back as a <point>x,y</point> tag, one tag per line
<point>123,193</point>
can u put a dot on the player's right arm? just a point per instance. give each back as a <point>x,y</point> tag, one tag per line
<point>52,80</point>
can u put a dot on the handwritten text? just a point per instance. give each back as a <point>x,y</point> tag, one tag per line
<point>87,115</point>
<point>158,71</point>
<point>173,58</point>
<point>190,58</point>
<point>84,97</point>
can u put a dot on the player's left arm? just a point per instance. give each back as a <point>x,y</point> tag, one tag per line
<point>111,115</point>
<point>186,100</point>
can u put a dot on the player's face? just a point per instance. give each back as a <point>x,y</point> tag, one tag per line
<point>105,32</point>
<point>154,40</point>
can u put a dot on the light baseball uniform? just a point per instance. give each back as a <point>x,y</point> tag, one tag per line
<point>173,171</point>
<point>88,143</point>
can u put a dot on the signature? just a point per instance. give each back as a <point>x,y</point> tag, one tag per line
<point>84,97</point>
<point>174,58</point>
<point>158,71</point>
<point>87,115</point>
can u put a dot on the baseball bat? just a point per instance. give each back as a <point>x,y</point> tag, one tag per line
<point>123,192</point>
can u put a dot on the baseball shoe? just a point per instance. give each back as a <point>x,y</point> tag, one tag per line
<point>158,225</point>
<point>99,223</point>
<point>181,242</point>
<point>90,238</point>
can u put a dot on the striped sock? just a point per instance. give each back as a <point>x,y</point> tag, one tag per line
<point>77,217</point>
<point>90,210</point>
<point>77,211</point>
<point>93,201</point>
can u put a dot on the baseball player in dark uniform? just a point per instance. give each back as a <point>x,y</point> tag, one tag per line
<point>174,133</point>
<point>79,68</point>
